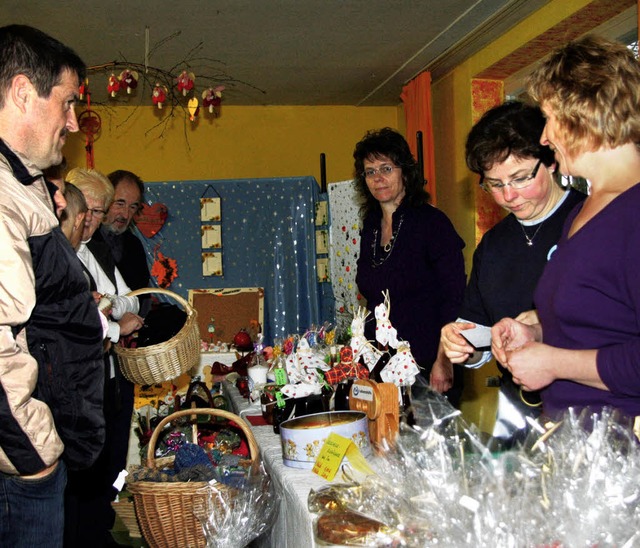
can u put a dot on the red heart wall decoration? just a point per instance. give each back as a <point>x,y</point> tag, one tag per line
<point>151,219</point>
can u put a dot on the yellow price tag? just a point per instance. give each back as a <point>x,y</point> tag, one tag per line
<point>335,448</point>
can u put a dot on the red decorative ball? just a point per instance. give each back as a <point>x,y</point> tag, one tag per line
<point>242,341</point>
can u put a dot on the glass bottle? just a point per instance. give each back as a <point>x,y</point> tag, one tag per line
<point>406,408</point>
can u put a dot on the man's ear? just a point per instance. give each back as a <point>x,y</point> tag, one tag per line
<point>21,91</point>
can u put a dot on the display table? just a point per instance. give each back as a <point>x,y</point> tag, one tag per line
<point>293,524</point>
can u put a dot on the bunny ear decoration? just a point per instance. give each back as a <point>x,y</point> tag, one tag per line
<point>402,368</point>
<point>386,334</point>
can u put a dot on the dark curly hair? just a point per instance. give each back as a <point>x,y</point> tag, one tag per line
<point>388,142</point>
<point>512,128</point>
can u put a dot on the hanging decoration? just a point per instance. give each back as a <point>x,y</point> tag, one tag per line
<point>164,269</point>
<point>89,123</point>
<point>113,85</point>
<point>159,95</point>
<point>193,108</point>
<point>151,218</point>
<point>172,90</point>
<point>128,80</point>
<point>212,98</point>
<point>186,81</point>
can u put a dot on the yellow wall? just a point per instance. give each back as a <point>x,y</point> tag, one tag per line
<point>452,120</point>
<point>245,142</point>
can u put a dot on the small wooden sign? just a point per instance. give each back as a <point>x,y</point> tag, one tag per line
<point>380,403</point>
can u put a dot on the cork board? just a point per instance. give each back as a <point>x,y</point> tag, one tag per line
<point>232,309</point>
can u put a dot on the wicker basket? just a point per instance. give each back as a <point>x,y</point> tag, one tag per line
<point>165,510</point>
<point>167,360</point>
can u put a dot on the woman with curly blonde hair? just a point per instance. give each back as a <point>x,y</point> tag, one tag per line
<point>588,298</point>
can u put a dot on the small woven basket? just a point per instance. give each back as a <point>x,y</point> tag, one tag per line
<point>165,511</point>
<point>167,360</point>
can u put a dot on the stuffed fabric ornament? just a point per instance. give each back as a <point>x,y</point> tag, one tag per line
<point>113,86</point>
<point>151,219</point>
<point>402,368</point>
<point>185,82</point>
<point>159,95</point>
<point>386,334</point>
<point>302,367</point>
<point>360,345</point>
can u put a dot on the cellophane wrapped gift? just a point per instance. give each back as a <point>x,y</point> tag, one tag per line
<point>572,484</point>
<point>235,515</point>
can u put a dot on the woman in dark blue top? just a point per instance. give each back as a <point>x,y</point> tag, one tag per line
<point>408,247</point>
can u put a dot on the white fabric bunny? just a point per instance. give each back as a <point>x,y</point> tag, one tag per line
<point>386,334</point>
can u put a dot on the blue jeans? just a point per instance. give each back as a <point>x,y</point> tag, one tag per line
<point>32,511</point>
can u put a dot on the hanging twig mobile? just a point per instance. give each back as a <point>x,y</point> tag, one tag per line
<point>173,91</point>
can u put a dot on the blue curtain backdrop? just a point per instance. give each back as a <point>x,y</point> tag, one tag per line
<point>268,240</point>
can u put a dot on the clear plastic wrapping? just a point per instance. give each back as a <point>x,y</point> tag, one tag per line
<point>233,516</point>
<point>572,483</point>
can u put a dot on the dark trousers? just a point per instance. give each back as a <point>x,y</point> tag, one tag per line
<point>89,517</point>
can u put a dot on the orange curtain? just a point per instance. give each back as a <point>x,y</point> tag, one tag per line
<point>416,96</point>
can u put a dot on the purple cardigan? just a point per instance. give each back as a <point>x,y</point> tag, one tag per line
<point>424,273</point>
<point>589,297</point>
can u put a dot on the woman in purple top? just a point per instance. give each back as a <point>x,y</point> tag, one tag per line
<point>588,298</point>
<point>408,247</point>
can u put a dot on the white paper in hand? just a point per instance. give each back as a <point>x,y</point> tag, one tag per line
<point>479,336</point>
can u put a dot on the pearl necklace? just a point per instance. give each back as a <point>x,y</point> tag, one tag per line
<point>531,238</point>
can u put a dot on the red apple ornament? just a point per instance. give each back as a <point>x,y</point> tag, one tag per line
<point>242,341</point>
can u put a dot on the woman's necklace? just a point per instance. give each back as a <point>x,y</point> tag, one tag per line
<point>387,248</point>
<point>530,238</point>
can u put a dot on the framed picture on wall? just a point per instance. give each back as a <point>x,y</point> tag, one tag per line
<point>229,309</point>
<point>209,210</point>
<point>322,266</point>
<point>322,213</point>
<point>211,236</point>
<point>212,264</point>
<point>322,242</point>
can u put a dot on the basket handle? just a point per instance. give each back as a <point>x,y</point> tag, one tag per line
<point>191,392</point>
<point>146,290</point>
<point>251,440</point>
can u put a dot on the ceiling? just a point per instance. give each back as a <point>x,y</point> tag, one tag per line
<point>277,52</point>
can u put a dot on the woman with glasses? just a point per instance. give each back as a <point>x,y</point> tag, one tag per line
<point>521,175</point>
<point>408,247</point>
<point>588,298</point>
<point>88,513</point>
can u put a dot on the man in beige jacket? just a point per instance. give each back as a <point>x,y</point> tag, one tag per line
<point>51,367</point>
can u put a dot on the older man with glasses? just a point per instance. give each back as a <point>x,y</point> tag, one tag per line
<point>127,250</point>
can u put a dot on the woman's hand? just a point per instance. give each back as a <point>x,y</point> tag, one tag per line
<point>455,347</point>
<point>129,323</point>
<point>508,335</point>
<point>532,365</point>
<point>441,378</point>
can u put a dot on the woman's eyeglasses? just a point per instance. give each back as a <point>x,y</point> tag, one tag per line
<point>385,171</point>
<point>517,183</point>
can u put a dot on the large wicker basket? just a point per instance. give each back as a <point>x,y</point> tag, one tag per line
<point>165,511</point>
<point>167,360</point>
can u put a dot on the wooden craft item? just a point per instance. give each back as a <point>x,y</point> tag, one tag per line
<point>379,401</point>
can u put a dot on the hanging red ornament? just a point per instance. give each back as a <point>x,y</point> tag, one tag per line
<point>113,86</point>
<point>211,98</point>
<point>89,123</point>
<point>185,82</point>
<point>83,89</point>
<point>159,95</point>
<point>128,80</point>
